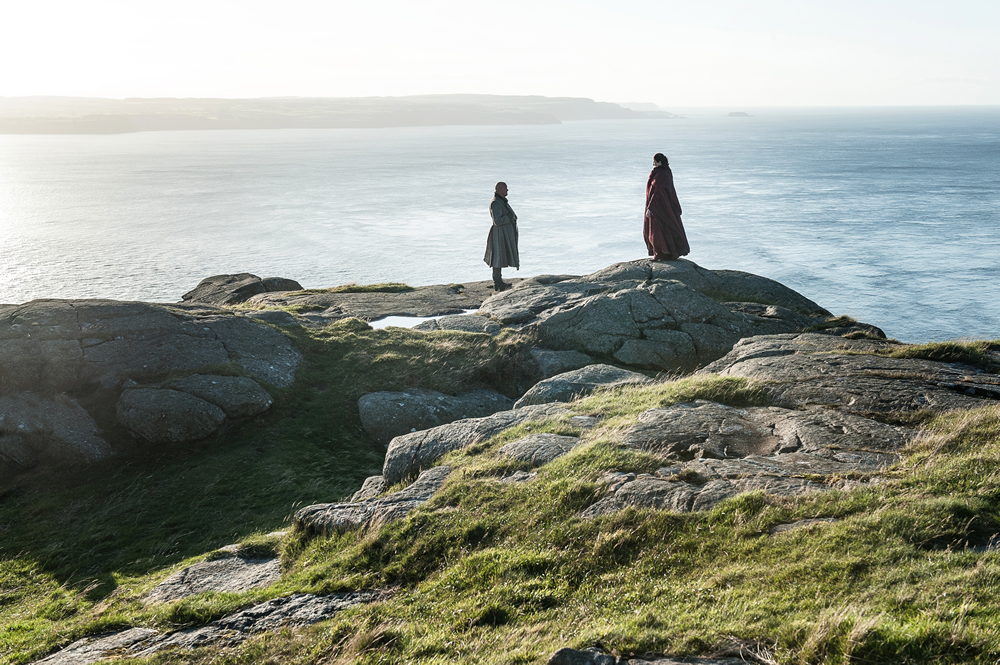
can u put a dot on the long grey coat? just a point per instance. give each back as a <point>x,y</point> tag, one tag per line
<point>501,246</point>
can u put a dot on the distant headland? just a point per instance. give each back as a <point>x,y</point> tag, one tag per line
<point>91,115</point>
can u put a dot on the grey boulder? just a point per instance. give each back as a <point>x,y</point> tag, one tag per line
<point>167,416</point>
<point>539,449</point>
<point>409,453</point>
<point>571,385</point>
<point>36,428</point>
<point>237,396</point>
<point>236,288</point>
<point>327,518</point>
<point>385,415</point>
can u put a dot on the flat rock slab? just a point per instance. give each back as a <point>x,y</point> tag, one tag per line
<point>464,322</point>
<point>805,369</point>
<point>409,453</point>
<point>539,449</point>
<point>703,429</point>
<point>436,300</point>
<point>229,574</point>
<point>327,518</point>
<point>295,610</point>
<point>385,415</point>
<point>646,491</point>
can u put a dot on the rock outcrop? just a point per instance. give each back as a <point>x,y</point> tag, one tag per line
<point>538,449</point>
<point>577,383</point>
<point>672,316</point>
<point>236,289</point>
<point>409,453</point>
<point>826,432</point>
<point>231,573</point>
<point>327,518</point>
<point>809,368</point>
<point>386,415</point>
<point>118,355</point>
<point>288,611</point>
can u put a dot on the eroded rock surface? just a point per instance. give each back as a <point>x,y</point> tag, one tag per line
<point>436,300</point>
<point>809,368</point>
<point>670,315</point>
<point>371,488</point>
<point>296,610</point>
<point>409,453</point>
<point>327,518</point>
<point>569,386</point>
<point>539,449</point>
<point>825,433</point>
<point>704,429</point>
<point>385,415</point>
<point>237,288</point>
<point>228,574</point>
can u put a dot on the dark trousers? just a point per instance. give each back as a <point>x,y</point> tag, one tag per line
<point>497,279</point>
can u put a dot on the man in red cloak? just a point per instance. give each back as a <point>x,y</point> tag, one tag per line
<point>662,228</point>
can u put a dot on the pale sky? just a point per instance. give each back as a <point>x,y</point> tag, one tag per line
<point>673,53</point>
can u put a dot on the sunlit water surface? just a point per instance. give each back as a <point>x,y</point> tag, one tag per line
<point>891,216</point>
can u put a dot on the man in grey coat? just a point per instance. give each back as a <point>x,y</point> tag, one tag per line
<point>501,246</point>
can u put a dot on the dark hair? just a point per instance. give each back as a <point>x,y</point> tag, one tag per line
<point>660,158</point>
<point>501,183</point>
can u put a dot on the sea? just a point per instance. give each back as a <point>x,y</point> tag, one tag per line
<point>889,215</point>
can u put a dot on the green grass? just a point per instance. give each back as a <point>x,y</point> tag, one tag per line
<point>70,540</point>
<point>489,572</point>
<point>984,354</point>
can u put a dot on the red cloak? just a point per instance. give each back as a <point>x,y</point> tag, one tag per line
<point>661,227</point>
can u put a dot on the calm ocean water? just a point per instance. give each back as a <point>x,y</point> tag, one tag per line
<point>891,216</point>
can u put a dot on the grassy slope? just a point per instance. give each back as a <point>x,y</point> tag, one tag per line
<point>491,572</point>
<point>69,541</point>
